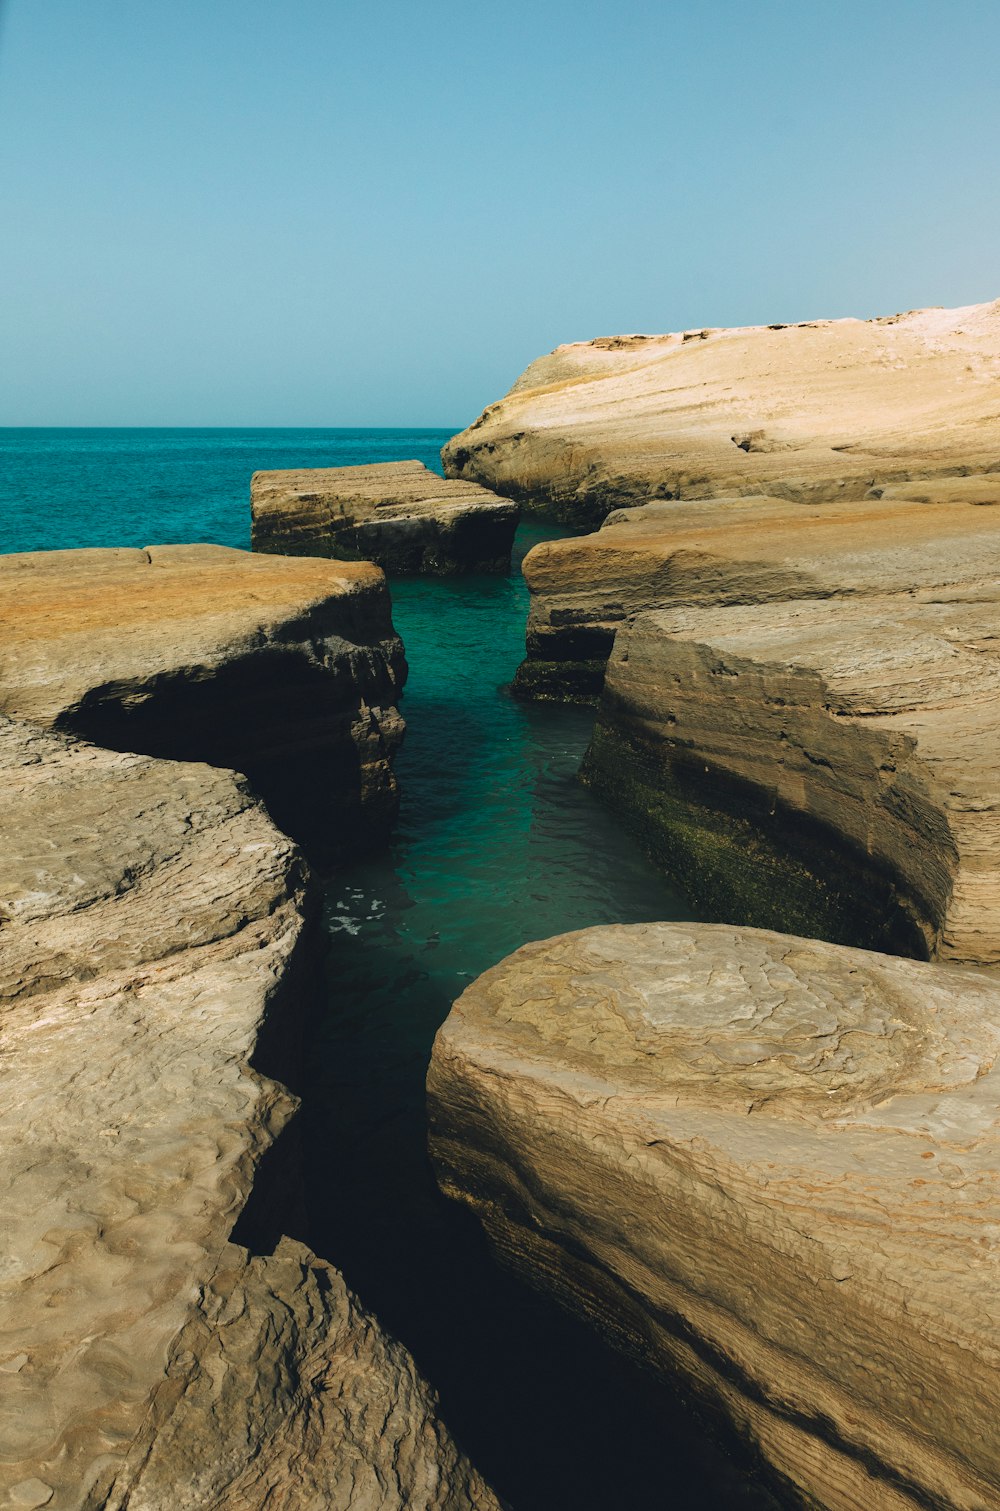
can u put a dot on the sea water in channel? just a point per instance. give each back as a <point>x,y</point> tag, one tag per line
<point>497,844</point>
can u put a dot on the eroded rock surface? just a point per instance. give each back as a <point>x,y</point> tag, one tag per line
<point>288,671</point>
<point>399,515</point>
<point>153,928</point>
<point>815,411</point>
<point>767,1163</point>
<point>801,706</point>
<point>912,537</point>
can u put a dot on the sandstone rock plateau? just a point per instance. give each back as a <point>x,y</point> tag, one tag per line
<point>767,1163</point>
<point>157,954</point>
<point>399,515</point>
<point>288,671</point>
<point>817,411</point>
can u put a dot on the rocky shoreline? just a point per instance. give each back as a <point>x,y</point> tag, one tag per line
<point>812,412</point>
<point>763,1161</point>
<point>399,515</point>
<point>160,949</point>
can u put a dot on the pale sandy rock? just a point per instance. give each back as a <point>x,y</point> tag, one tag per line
<point>281,1354</point>
<point>286,670</point>
<point>767,1163</point>
<point>746,551</point>
<point>152,924</point>
<point>814,411</point>
<point>399,515</point>
<point>837,756</point>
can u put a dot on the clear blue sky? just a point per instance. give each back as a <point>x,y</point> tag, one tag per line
<point>327,212</point>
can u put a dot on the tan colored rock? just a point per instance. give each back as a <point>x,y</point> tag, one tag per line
<point>399,515</point>
<point>766,1163</point>
<point>286,670</point>
<point>836,756</point>
<point>746,551</point>
<point>152,927</point>
<point>820,410</point>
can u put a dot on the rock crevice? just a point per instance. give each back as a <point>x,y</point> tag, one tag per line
<point>158,942</point>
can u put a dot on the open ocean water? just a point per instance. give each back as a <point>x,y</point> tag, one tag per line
<point>497,844</point>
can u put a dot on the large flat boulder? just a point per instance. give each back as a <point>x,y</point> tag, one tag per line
<point>289,671</point>
<point>746,550</point>
<point>820,410</point>
<point>399,515</point>
<point>766,1164</point>
<point>156,938</point>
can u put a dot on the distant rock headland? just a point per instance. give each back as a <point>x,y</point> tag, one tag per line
<point>160,1346</point>
<point>816,411</point>
<point>399,515</point>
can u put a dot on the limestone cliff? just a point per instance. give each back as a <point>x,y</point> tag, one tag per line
<point>156,1350</point>
<point>821,410</point>
<point>289,671</point>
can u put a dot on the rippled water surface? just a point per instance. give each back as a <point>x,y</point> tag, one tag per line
<point>498,844</point>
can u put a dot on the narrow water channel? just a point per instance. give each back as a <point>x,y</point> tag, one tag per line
<point>497,844</point>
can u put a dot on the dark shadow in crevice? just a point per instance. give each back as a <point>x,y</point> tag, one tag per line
<point>280,719</point>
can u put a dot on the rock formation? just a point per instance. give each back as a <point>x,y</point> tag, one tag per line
<point>399,515</point>
<point>157,953</point>
<point>766,1163</point>
<point>801,707</point>
<point>753,550</point>
<point>828,766</point>
<point>288,671</point>
<point>816,411</point>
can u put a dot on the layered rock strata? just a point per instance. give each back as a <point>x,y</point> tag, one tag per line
<point>399,515</point>
<point>801,707</point>
<point>288,671</point>
<point>910,537</point>
<point>766,1163</point>
<point>155,933</point>
<point>816,411</point>
<point>827,765</point>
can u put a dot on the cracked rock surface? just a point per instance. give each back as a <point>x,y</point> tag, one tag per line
<point>768,1163</point>
<point>157,950</point>
<point>820,410</point>
<point>399,515</point>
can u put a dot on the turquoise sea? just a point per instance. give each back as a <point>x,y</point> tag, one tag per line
<point>497,844</point>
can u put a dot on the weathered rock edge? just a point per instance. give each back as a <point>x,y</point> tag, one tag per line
<point>767,1163</point>
<point>828,766</point>
<point>800,709</point>
<point>399,515</point>
<point>745,550</point>
<point>288,671</point>
<point>156,932</point>
<point>816,411</point>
